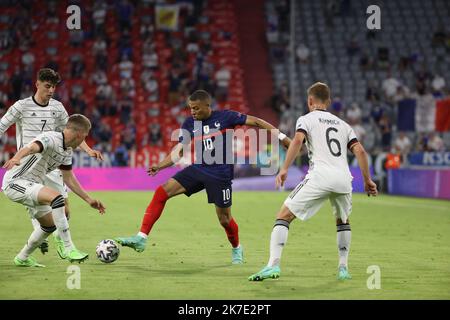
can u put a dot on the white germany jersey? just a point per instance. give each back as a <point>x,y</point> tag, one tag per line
<point>32,119</point>
<point>36,166</point>
<point>328,139</point>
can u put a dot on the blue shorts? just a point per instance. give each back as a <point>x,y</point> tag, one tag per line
<point>193,180</point>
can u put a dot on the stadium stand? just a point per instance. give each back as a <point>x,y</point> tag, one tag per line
<point>384,82</point>
<point>128,74</point>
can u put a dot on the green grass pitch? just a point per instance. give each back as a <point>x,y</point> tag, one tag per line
<point>188,255</point>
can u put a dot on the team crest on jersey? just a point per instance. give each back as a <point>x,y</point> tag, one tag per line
<point>206,129</point>
<point>45,140</point>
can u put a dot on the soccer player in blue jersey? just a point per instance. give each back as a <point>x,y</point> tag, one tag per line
<point>207,129</point>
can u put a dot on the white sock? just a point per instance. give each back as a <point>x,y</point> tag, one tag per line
<point>37,236</point>
<point>344,237</point>
<point>61,223</point>
<point>35,223</point>
<point>278,240</point>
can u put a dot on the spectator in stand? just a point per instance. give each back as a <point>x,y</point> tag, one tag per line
<point>337,106</point>
<point>303,53</point>
<point>104,92</point>
<point>390,86</point>
<point>125,67</point>
<point>98,77</point>
<point>127,87</point>
<point>99,46</point>
<point>385,127</point>
<point>28,59</point>
<point>152,89</point>
<point>147,29</point>
<point>438,86</point>
<point>153,138</point>
<point>150,58</point>
<point>77,66</point>
<point>125,110</point>
<point>129,136</point>
<point>99,16</point>
<point>77,103</point>
<point>435,143</point>
<point>125,45</point>
<point>402,144</point>
<point>124,10</point>
<point>76,38</point>
<point>383,58</point>
<point>222,77</point>
<point>121,157</point>
<point>425,106</point>
<point>103,134</point>
<point>280,101</point>
<point>353,114</point>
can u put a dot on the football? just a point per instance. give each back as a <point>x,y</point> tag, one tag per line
<point>107,251</point>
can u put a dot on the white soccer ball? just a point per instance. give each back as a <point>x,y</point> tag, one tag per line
<point>107,251</point>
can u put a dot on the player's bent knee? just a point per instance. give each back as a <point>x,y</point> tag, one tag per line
<point>173,188</point>
<point>285,214</point>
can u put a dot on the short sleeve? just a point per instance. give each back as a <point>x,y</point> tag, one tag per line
<point>302,125</point>
<point>44,141</point>
<point>13,115</point>
<point>235,118</point>
<point>62,120</point>
<point>67,163</point>
<point>185,134</point>
<point>351,137</point>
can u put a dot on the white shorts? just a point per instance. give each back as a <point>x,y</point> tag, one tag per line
<point>54,180</point>
<point>307,198</point>
<point>26,192</point>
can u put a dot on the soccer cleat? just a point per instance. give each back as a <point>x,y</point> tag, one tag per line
<point>136,242</point>
<point>29,262</point>
<point>44,246</point>
<point>237,255</point>
<point>266,273</point>
<point>60,249</point>
<point>76,255</point>
<point>343,273</point>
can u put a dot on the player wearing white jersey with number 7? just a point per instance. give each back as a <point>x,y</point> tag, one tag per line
<point>327,139</point>
<point>35,115</point>
<point>24,183</point>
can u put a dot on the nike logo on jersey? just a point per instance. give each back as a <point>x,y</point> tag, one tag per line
<point>217,124</point>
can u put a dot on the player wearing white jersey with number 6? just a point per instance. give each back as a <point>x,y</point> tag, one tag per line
<point>35,115</point>
<point>327,139</point>
<point>23,183</point>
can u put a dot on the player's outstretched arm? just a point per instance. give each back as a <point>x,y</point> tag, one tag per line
<point>293,150</point>
<point>91,152</point>
<point>369,186</point>
<point>33,148</point>
<point>260,123</point>
<point>72,182</point>
<point>170,160</point>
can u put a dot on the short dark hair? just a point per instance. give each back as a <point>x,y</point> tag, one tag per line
<point>78,122</point>
<point>200,95</point>
<point>49,75</point>
<point>320,91</point>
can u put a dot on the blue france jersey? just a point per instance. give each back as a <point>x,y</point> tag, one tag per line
<point>213,153</point>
